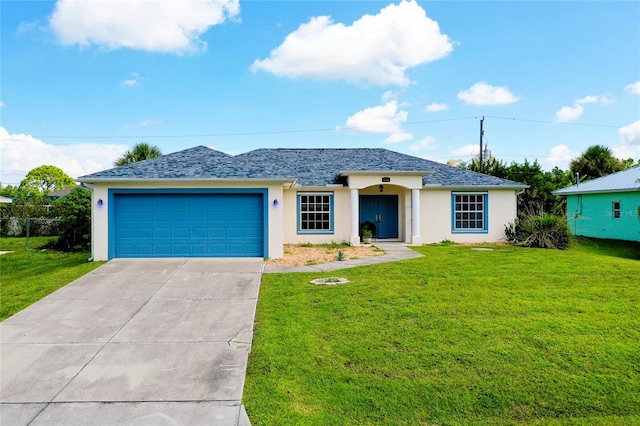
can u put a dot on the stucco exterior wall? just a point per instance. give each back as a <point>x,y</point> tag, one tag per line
<point>100,214</point>
<point>363,181</point>
<point>341,217</point>
<point>436,215</point>
<point>591,215</point>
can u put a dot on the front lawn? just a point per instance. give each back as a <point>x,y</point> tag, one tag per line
<point>27,276</point>
<point>508,336</point>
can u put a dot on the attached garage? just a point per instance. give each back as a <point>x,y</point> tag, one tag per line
<point>161,223</point>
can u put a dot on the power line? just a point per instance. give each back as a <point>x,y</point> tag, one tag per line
<point>275,132</point>
<point>554,122</point>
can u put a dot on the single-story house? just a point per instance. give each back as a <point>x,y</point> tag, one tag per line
<point>54,195</point>
<point>4,199</point>
<point>203,202</point>
<point>606,207</point>
<point>61,193</point>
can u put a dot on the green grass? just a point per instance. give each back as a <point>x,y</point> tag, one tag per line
<point>27,276</point>
<point>458,337</point>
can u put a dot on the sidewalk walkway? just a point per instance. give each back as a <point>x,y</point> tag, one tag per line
<point>393,252</point>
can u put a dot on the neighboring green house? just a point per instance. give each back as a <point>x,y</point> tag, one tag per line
<point>607,207</point>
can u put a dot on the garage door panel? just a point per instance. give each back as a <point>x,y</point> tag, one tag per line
<point>186,225</point>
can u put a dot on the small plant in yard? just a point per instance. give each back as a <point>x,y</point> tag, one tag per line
<point>543,231</point>
<point>340,256</point>
<point>447,243</point>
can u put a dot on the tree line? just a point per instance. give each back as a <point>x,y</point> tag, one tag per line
<point>596,161</point>
<point>33,210</point>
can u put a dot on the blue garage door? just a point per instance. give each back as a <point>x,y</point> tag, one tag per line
<point>189,225</point>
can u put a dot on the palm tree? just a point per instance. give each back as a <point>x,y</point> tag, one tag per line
<point>140,152</point>
<point>595,162</point>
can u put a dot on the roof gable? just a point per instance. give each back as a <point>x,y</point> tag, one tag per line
<point>307,166</point>
<point>624,181</point>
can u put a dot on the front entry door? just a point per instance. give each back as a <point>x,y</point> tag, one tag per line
<point>381,210</point>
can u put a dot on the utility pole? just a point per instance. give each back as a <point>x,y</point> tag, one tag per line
<point>481,135</point>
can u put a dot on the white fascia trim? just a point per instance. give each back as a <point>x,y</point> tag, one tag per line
<point>223,180</point>
<point>475,188</point>
<point>386,172</point>
<point>600,191</point>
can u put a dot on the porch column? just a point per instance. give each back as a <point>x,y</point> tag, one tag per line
<point>416,236</point>
<point>354,240</point>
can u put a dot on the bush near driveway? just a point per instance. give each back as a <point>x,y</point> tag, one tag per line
<point>75,214</point>
<point>509,336</point>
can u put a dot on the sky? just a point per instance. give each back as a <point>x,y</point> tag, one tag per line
<point>81,81</point>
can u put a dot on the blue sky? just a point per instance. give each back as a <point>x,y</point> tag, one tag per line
<point>83,80</point>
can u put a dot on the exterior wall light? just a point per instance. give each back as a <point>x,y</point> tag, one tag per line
<point>100,202</point>
<point>275,202</point>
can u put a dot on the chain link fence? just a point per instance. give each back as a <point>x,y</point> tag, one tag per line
<point>29,227</point>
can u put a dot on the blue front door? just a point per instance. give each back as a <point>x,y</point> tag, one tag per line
<point>382,211</point>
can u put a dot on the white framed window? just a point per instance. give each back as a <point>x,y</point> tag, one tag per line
<point>315,212</point>
<point>469,212</point>
<point>615,207</point>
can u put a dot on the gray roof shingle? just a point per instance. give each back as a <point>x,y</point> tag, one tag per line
<point>309,167</point>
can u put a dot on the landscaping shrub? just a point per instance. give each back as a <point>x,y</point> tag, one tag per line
<point>544,231</point>
<point>75,214</point>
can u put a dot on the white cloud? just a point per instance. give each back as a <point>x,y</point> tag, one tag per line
<point>470,150</point>
<point>21,153</point>
<point>2,104</point>
<point>424,144</point>
<point>143,123</point>
<point>567,114</point>
<point>483,93</point>
<point>630,134</point>
<point>380,119</point>
<point>633,88</point>
<point>28,26</point>
<point>133,81</point>
<point>629,146</point>
<point>560,155</point>
<point>377,49</point>
<point>148,122</point>
<point>154,26</point>
<point>389,95</point>
<point>594,99</point>
<point>435,107</point>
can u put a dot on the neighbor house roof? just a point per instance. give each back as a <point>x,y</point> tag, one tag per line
<point>4,199</point>
<point>624,181</point>
<point>306,167</point>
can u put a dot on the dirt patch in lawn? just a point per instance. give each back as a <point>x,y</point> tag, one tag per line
<point>296,255</point>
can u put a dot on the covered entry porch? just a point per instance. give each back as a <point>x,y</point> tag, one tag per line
<point>389,202</point>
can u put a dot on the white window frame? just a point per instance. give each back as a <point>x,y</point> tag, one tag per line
<point>321,209</point>
<point>465,207</point>
<point>615,211</point>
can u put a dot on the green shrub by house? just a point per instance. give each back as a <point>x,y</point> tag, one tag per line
<point>543,231</point>
<point>75,215</point>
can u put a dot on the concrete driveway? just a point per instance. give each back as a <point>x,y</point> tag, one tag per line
<point>135,342</point>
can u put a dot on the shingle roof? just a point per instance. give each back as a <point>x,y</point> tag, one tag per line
<point>309,167</point>
<point>624,181</point>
